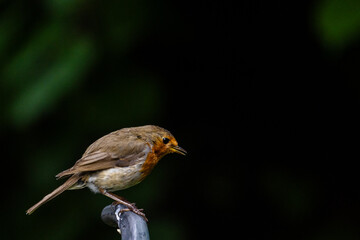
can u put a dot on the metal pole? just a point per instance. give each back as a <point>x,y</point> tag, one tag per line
<point>131,225</point>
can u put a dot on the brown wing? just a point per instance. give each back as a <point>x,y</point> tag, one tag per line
<point>112,150</point>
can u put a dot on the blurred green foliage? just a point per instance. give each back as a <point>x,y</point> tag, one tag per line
<point>49,86</point>
<point>41,65</point>
<point>337,22</point>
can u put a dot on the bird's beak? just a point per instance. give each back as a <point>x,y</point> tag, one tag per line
<point>179,150</point>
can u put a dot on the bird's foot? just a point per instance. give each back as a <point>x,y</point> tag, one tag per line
<point>132,207</point>
<point>136,211</point>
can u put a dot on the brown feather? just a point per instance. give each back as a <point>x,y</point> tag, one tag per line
<point>117,153</point>
<point>66,185</point>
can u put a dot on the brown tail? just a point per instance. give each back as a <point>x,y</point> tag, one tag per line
<point>66,185</point>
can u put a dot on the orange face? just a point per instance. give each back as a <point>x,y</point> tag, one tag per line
<point>162,145</point>
<point>167,144</point>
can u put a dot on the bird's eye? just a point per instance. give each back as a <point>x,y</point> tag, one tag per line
<point>165,140</point>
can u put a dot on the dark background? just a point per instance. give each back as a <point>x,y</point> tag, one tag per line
<point>264,96</point>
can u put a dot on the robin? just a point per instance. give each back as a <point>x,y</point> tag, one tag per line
<point>116,161</point>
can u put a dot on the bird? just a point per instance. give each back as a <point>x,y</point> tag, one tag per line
<point>116,161</point>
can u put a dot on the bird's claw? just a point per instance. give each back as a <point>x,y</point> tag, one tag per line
<point>135,210</point>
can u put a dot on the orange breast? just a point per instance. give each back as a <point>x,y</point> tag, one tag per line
<point>149,164</point>
<point>153,157</point>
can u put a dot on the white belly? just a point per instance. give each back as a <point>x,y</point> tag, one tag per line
<point>115,179</point>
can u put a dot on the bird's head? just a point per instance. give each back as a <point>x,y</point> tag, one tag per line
<point>162,141</point>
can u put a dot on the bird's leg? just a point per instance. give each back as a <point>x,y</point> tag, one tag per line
<point>121,200</point>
